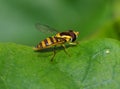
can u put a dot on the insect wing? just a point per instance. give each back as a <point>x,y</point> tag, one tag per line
<point>45,28</point>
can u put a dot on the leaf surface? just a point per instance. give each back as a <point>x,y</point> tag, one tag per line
<point>93,65</point>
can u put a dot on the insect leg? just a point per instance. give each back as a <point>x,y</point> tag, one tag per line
<point>73,43</point>
<point>54,53</point>
<point>65,49</point>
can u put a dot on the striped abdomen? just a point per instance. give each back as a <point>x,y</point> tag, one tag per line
<point>48,42</point>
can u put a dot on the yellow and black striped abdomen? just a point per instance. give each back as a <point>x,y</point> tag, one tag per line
<point>49,42</point>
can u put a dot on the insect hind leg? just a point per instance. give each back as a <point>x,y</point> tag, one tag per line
<point>54,53</point>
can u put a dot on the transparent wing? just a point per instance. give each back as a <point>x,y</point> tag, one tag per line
<point>45,28</point>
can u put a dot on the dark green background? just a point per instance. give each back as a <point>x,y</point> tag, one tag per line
<point>18,18</point>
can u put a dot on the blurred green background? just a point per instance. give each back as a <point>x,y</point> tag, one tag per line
<point>92,18</point>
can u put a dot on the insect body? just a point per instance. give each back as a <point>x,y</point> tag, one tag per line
<point>59,39</point>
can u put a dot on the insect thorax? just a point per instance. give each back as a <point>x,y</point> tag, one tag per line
<point>66,37</point>
<point>69,36</point>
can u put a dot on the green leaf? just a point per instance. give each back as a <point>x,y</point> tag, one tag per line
<point>93,65</point>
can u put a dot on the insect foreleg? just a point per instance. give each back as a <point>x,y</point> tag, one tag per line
<point>65,49</point>
<point>73,43</point>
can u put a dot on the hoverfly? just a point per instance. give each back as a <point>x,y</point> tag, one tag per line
<point>60,38</point>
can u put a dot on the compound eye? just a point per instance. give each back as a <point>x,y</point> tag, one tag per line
<point>70,30</point>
